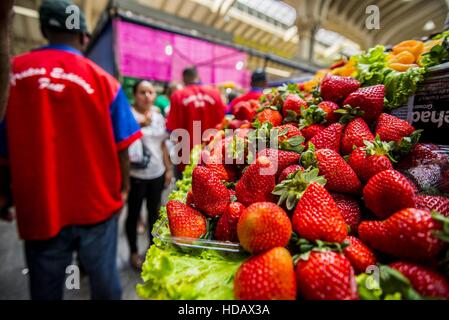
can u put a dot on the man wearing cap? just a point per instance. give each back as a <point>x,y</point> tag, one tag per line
<point>68,127</point>
<point>258,84</point>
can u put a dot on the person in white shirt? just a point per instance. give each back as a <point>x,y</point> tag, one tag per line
<point>149,178</point>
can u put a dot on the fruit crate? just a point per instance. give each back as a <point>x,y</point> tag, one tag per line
<point>159,232</point>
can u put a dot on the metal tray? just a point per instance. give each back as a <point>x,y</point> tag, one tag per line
<point>203,244</point>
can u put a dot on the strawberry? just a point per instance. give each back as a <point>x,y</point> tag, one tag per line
<point>290,138</point>
<point>289,170</point>
<point>433,203</point>
<point>350,209</point>
<point>425,176</point>
<point>443,185</point>
<point>209,193</point>
<point>326,275</point>
<point>226,229</point>
<point>370,100</point>
<point>244,111</point>
<point>388,192</point>
<point>257,182</point>
<point>329,107</point>
<point>339,175</point>
<point>317,216</point>
<point>262,226</point>
<point>293,104</point>
<point>425,281</point>
<point>360,256</point>
<point>336,88</point>
<point>189,199</point>
<point>368,161</point>
<point>329,138</point>
<point>407,234</point>
<point>219,170</point>
<point>424,153</point>
<point>280,158</point>
<point>391,128</point>
<point>355,134</point>
<point>267,276</point>
<point>185,221</point>
<point>271,116</point>
<point>310,131</point>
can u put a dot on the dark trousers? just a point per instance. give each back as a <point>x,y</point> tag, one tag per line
<point>96,245</point>
<point>151,191</point>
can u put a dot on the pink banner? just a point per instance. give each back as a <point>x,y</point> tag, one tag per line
<point>148,53</point>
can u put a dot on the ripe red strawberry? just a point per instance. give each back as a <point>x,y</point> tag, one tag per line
<point>425,281</point>
<point>317,216</point>
<point>244,111</point>
<point>290,130</point>
<point>329,138</point>
<point>293,103</point>
<point>329,107</point>
<point>185,221</point>
<point>209,193</point>
<point>226,229</point>
<point>189,199</point>
<point>391,128</point>
<point>326,275</point>
<point>257,182</point>
<point>280,158</point>
<point>388,192</point>
<point>270,116</point>
<point>368,163</point>
<point>336,88</point>
<point>360,256</point>
<point>312,130</point>
<point>267,276</point>
<point>433,203</point>
<point>350,210</point>
<point>339,175</point>
<point>219,170</point>
<point>355,134</point>
<point>407,234</point>
<point>289,170</point>
<point>370,100</point>
<point>262,226</point>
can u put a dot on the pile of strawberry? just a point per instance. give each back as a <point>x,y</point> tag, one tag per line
<point>347,190</point>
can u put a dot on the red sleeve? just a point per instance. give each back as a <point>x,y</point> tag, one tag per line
<point>172,122</point>
<point>221,108</point>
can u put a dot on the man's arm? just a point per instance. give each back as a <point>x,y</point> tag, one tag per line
<point>5,28</point>
<point>124,171</point>
<point>169,174</point>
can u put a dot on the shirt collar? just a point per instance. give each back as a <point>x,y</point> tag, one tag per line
<point>62,47</point>
<point>257,89</point>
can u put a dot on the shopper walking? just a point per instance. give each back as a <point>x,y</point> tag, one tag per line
<point>152,169</point>
<point>196,102</point>
<point>69,126</point>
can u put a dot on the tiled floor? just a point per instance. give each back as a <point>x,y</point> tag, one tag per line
<point>14,281</point>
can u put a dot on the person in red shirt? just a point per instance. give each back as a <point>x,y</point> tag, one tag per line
<point>258,84</point>
<point>68,127</point>
<point>193,105</point>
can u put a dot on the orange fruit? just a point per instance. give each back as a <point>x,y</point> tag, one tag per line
<point>413,46</point>
<point>401,66</point>
<point>404,57</point>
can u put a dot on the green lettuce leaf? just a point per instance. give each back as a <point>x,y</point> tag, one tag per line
<point>371,66</point>
<point>399,86</point>
<point>174,275</point>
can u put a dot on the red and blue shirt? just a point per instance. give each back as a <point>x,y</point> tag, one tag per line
<point>66,121</point>
<point>254,94</point>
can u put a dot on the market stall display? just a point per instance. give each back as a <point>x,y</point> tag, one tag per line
<point>341,199</point>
